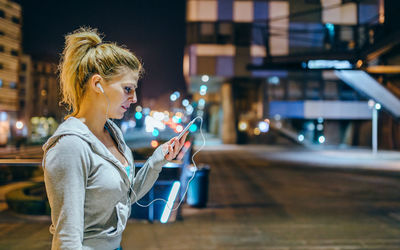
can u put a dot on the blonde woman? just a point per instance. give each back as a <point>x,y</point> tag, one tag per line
<point>88,168</point>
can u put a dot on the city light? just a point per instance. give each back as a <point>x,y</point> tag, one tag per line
<point>176,119</point>
<point>205,78</point>
<point>243,126</point>
<point>131,124</point>
<point>203,90</point>
<point>179,128</point>
<point>173,97</point>
<point>329,64</point>
<point>300,137</point>
<point>155,132</point>
<point>320,120</point>
<point>154,143</point>
<point>274,80</point>
<point>138,115</point>
<point>185,102</point>
<point>177,94</point>
<point>263,126</point>
<point>311,126</point>
<point>189,109</point>
<point>320,127</point>
<point>158,115</point>
<point>146,111</point>
<point>19,125</point>
<point>257,131</point>
<point>193,128</point>
<point>378,106</point>
<point>321,139</point>
<point>202,102</point>
<point>138,108</point>
<point>152,123</point>
<point>371,103</point>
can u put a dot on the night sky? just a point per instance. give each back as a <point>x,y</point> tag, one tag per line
<point>153,29</point>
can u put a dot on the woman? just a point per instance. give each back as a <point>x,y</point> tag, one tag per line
<point>88,168</point>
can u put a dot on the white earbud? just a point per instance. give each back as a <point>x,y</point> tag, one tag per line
<point>101,88</point>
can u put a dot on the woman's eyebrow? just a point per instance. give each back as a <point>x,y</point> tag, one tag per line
<point>133,84</point>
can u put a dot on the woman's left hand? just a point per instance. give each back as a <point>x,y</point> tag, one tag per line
<point>172,152</point>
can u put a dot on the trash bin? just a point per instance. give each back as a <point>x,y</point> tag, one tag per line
<point>197,194</point>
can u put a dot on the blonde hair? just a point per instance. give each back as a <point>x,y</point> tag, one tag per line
<point>84,55</point>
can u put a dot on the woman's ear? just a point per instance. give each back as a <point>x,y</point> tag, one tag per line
<point>93,81</point>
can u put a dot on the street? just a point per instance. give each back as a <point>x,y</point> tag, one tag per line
<point>256,204</point>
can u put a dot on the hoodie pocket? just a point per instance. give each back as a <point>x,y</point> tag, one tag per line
<point>122,212</point>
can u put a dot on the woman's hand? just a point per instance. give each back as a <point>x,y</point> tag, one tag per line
<point>172,152</point>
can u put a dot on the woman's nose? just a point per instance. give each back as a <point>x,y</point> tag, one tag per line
<point>133,99</point>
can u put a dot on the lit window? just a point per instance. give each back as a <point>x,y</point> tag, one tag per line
<point>207,29</point>
<point>13,85</point>
<point>1,83</point>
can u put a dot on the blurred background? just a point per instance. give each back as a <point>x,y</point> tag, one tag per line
<point>300,107</point>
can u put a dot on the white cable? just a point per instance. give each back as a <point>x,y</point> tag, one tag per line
<point>187,186</point>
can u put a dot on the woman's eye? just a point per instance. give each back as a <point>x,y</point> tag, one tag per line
<point>128,90</point>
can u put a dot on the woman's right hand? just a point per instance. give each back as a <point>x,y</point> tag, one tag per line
<point>170,151</point>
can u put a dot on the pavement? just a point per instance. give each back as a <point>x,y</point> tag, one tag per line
<point>351,158</point>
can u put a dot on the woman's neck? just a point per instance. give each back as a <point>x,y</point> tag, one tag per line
<point>94,119</point>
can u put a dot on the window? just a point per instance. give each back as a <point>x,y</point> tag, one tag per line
<point>2,14</point>
<point>1,48</point>
<point>225,32</point>
<point>15,20</point>
<point>23,67</point>
<point>207,29</point>
<point>242,34</point>
<point>1,66</point>
<point>22,79</point>
<point>2,33</point>
<point>13,85</point>
<point>207,32</point>
<point>1,83</point>
<point>14,52</point>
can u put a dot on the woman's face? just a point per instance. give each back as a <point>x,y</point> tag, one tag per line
<point>121,91</point>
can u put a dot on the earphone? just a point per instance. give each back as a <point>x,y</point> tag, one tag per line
<point>187,186</point>
<point>100,87</point>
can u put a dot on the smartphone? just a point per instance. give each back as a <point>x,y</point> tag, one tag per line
<point>184,131</point>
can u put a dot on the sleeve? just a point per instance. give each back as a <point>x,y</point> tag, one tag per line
<point>148,174</point>
<point>65,175</point>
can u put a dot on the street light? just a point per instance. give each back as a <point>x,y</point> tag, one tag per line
<point>19,125</point>
<point>205,78</point>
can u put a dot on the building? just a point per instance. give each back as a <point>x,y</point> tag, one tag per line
<point>39,91</point>
<point>282,60</point>
<point>10,49</point>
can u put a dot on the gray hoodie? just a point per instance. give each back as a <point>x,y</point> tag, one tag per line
<point>89,189</point>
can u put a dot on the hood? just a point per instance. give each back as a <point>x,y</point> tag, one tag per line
<point>75,126</point>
